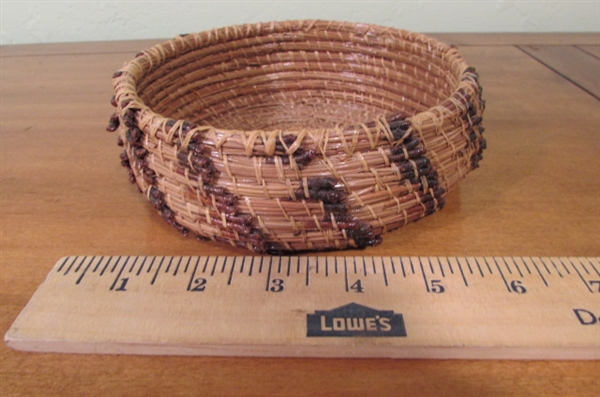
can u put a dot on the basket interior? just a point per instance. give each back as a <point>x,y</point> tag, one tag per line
<point>299,81</point>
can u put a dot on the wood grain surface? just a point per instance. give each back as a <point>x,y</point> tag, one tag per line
<point>63,192</point>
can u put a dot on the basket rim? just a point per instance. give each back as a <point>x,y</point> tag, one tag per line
<point>125,81</point>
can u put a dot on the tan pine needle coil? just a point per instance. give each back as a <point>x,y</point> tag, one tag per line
<point>298,135</point>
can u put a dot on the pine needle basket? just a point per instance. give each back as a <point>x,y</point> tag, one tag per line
<point>298,135</point>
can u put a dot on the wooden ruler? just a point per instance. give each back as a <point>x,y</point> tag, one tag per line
<point>401,307</point>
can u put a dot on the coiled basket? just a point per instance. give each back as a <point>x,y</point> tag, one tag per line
<point>298,135</point>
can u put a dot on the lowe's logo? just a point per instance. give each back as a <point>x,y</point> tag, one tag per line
<point>354,320</point>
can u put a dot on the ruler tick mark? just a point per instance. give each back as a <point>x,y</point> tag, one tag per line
<point>135,260</point>
<point>251,266</point>
<point>469,265</point>
<point>479,267</point>
<point>224,266</point>
<point>462,273</point>
<point>71,265</point>
<point>581,277</point>
<point>307,272</point>
<point>539,272</point>
<point>346,275</point>
<point>402,266</point>
<point>385,277</point>
<point>106,266</point>
<point>157,271</point>
<point>169,265</point>
<point>133,264</point>
<point>546,267</point>
<point>230,278</point>
<point>243,264</point>
<point>85,270</point>
<point>564,266</point>
<point>527,267</point>
<point>594,267</point>
<point>584,268</point>
<point>187,265</point>
<point>517,267</point>
<point>193,277</point>
<point>507,266</point>
<point>214,268</point>
<point>439,261</point>
<point>151,264</point>
<point>115,265</point>
<point>204,268</point>
<point>62,265</point>
<point>449,263</point>
<point>556,267</point>
<point>98,264</point>
<point>501,274</point>
<point>424,275</point>
<point>268,273</point>
<point>489,268</point>
<point>141,266</point>
<point>81,262</point>
<point>177,266</point>
<point>118,277</point>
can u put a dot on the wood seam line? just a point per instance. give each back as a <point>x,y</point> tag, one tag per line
<point>519,47</point>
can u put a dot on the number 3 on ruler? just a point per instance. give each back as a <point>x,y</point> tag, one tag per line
<point>276,285</point>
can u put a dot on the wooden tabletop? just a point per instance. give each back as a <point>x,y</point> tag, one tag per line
<point>63,192</point>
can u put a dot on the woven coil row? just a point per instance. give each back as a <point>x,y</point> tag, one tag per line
<point>298,135</point>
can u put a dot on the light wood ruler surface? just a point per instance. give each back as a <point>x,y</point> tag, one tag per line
<point>401,307</point>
